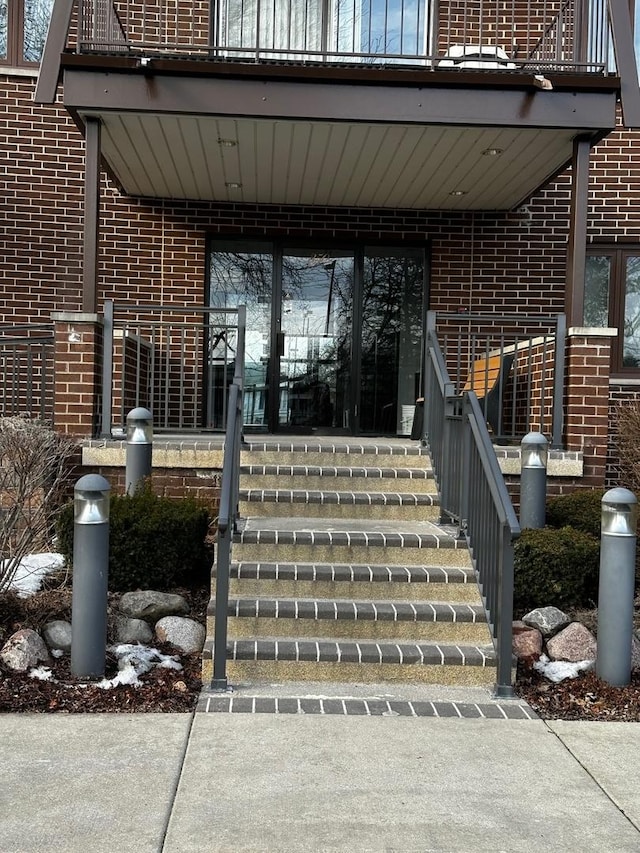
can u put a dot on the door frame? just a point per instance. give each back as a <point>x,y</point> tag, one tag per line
<point>357,247</point>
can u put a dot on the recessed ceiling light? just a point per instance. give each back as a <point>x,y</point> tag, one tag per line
<point>233,185</point>
<point>227,143</point>
<point>492,152</point>
<point>458,192</point>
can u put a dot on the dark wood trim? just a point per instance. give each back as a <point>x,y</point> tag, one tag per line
<point>49,75</point>
<point>622,30</point>
<point>311,73</point>
<point>102,91</point>
<point>91,216</point>
<point>577,244</point>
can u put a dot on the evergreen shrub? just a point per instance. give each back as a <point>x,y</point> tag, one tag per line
<point>580,509</point>
<point>555,567</point>
<point>154,542</point>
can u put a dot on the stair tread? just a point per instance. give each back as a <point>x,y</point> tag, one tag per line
<point>348,650</point>
<point>353,572</point>
<point>317,496</point>
<point>347,609</point>
<point>346,471</point>
<point>374,533</point>
<point>371,447</point>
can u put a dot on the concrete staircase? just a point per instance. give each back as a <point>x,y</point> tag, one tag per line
<point>341,572</point>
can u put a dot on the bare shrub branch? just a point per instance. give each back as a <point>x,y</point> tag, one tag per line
<point>35,467</point>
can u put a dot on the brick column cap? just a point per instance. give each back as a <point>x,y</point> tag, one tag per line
<point>75,317</point>
<point>591,332</point>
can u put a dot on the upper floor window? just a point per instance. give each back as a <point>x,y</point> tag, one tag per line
<point>23,30</point>
<point>612,298</point>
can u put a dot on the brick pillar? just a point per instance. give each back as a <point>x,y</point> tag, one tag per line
<point>586,426</point>
<point>78,360</point>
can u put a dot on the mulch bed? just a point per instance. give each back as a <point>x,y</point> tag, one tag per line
<point>162,691</point>
<point>169,690</point>
<point>583,698</point>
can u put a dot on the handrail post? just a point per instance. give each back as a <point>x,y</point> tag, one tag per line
<point>226,520</point>
<point>504,618</point>
<point>465,480</point>
<point>557,415</point>
<point>107,369</point>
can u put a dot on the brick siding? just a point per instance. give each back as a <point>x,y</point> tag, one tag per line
<point>156,250</point>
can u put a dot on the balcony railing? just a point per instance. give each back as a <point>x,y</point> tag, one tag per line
<point>560,35</point>
<point>27,371</point>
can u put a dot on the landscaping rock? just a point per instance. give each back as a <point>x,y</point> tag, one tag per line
<point>57,635</point>
<point>152,606</point>
<point>185,634</point>
<point>24,649</point>
<point>635,652</point>
<point>548,620</point>
<point>132,631</point>
<point>574,643</point>
<point>527,645</point>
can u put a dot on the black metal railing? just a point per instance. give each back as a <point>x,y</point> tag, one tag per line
<point>526,393</point>
<point>474,496</point>
<point>228,515</point>
<point>176,361</point>
<point>27,371</point>
<point>562,35</point>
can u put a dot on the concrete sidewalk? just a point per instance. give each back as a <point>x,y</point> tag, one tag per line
<point>269,782</point>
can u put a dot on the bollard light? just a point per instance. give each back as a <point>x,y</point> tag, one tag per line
<point>139,448</point>
<point>616,586</point>
<point>619,513</point>
<point>534,453</point>
<point>139,426</point>
<point>90,576</point>
<point>91,500</point>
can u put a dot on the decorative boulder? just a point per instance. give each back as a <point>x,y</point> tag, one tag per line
<point>574,643</point>
<point>548,620</point>
<point>24,649</point>
<point>527,645</point>
<point>185,634</point>
<point>152,606</point>
<point>132,631</point>
<point>57,635</point>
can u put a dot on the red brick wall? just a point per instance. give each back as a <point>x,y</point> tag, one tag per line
<point>489,262</point>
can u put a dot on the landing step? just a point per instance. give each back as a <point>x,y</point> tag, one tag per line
<point>350,651</point>
<point>249,701</point>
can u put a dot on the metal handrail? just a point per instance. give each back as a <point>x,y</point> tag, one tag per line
<point>473,494</point>
<point>154,371</point>
<point>228,513</point>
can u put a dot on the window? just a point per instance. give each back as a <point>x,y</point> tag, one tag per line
<point>612,298</point>
<point>23,30</point>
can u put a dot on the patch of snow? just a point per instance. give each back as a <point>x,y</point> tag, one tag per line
<point>133,661</point>
<point>57,653</point>
<point>31,570</point>
<point>42,673</point>
<point>558,670</point>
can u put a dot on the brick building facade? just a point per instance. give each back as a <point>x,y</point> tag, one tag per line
<point>158,250</point>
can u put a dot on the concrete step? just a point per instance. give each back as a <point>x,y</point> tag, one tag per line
<point>379,542</point>
<point>364,661</point>
<point>379,620</point>
<point>302,503</point>
<point>352,581</point>
<point>355,478</point>
<point>374,453</point>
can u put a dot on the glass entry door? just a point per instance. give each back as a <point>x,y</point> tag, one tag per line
<point>314,340</point>
<point>333,341</point>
